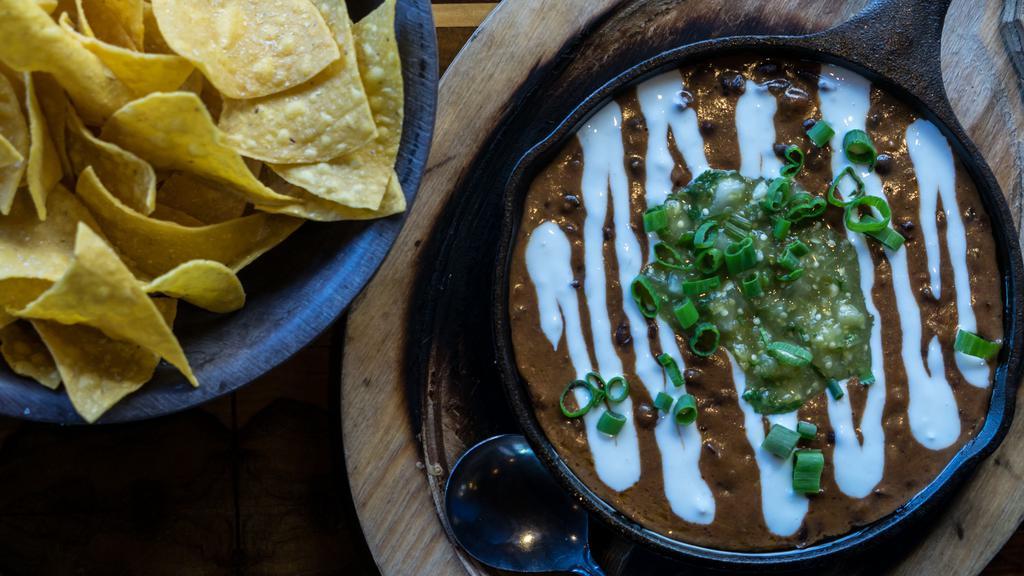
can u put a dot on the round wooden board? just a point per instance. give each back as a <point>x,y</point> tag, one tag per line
<point>407,407</point>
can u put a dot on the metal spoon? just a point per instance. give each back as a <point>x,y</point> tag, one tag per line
<point>506,511</point>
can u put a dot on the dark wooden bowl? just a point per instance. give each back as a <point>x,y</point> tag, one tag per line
<point>294,292</point>
<point>894,43</point>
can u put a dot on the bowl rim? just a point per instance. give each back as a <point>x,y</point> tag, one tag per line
<point>1006,377</point>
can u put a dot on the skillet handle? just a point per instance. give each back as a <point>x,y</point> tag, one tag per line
<point>901,40</point>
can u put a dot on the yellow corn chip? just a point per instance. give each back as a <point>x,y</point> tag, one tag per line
<point>168,214</point>
<point>55,107</point>
<point>204,283</point>
<point>153,41</point>
<point>98,290</point>
<point>9,155</point>
<point>27,356</point>
<point>30,248</point>
<point>156,247</point>
<point>142,73</point>
<point>249,48</point>
<point>315,208</point>
<point>173,130</point>
<point>43,163</point>
<point>98,371</point>
<point>33,42</point>
<point>48,6</point>
<point>116,22</point>
<point>5,318</point>
<point>14,129</point>
<point>199,200</point>
<point>128,177</point>
<point>359,179</point>
<point>314,122</point>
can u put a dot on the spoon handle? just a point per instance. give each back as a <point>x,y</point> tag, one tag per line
<point>587,566</point>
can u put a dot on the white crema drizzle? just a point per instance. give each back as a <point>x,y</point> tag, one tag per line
<point>783,508</point>
<point>936,176</point>
<point>680,446</point>
<point>549,263</point>
<point>934,419</point>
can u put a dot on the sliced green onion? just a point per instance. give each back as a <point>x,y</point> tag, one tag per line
<point>775,198</point>
<point>705,235</point>
<point>791,276</point>
<point>740,256</point>
<point>751,286</point>
<point>806,430</point>
<point>741,222</point>
<point>973,345</point>
<point>790,354</point>
<point>794,161</point>
<point>685,239</point>
<point>798,248</point>
<point>780,441</point>
<point>733,231</point>
<point>789,261</point>
<point>858,223</point>
<point>859,148</point>
<point>833,189</point>
<point>889,238</point>
<point>685,410</point>
<point>709,260</point>
<point>835,389</point>
<point>611,423</point>
<point>807,468</point>
<point>699,341</point>
<point>686,313</point>
<point>821,133</point>
<point>620,384</point>
<point>645,296</point>
<point>595,396</point>
<point>781,228</point>
<point>663,402</point>
<point>671,368</point>
<point>867,379</point>
<point>655,219</point>
<point>812,208</point>
<point>668,256</point>
<point>699,287</point>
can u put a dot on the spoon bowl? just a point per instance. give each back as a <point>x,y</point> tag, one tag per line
<point>506,511</point>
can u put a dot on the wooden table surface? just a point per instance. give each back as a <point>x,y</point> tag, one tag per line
<point>252,483</point>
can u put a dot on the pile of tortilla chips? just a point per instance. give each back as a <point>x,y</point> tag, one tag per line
<point>150,149</point>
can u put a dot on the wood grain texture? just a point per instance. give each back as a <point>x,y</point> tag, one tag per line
<point>985,95</point>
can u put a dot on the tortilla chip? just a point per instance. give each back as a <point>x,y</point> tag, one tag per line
<point>360,179</point>
<point>14,130</point>
<point>319,120</point>
<point>153,41</point>
<point>168,214</point>
<point>156,247</point>
<point>199,200</point>
<point>173,130</point>
<point>33,42</point>
<point>249,48</point>
<point>6,319</point>
<point>128,177</point>
<point>142,73</point>
<point>314,208</point>
<point>204,283</point>
<point>27,356</point>
<point>98,290</point>
<point>115,22</point>
<point>16,293</point>
<point>98,371</point>
<point>9,155</point>
<point>194,83</point>
<point>54,104</point>
<point>48,6</point>
<point>43,163</point>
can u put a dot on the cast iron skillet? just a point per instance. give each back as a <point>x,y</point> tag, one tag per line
<point>295,291</point>
<point>894,43</point>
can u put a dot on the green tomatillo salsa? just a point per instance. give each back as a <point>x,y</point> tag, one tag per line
<point>751,265</point>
